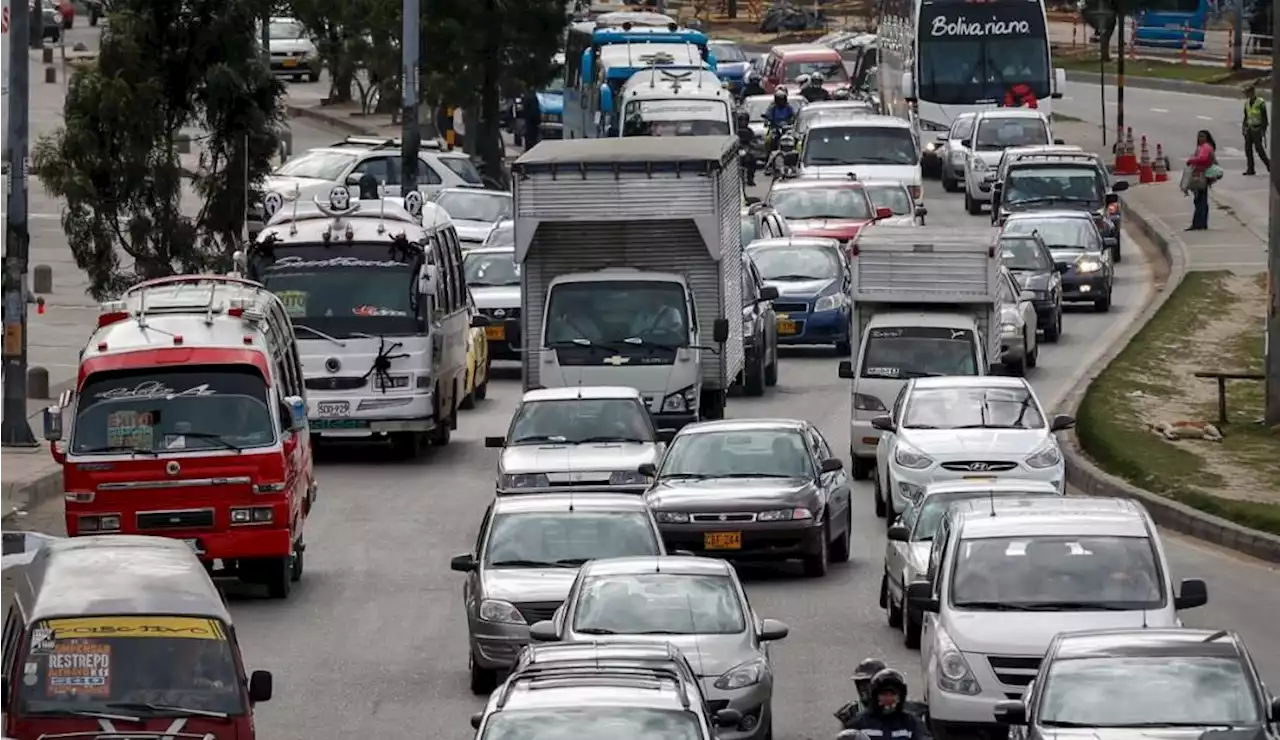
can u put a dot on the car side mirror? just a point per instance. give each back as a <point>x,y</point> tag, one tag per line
<point>477,719</point>
<point>495,443</point>
<point>884,424</point>
<point>1191,593</point>
<point>772,629</point>
<point>544,631</point>
<point>665,436</point>
<point>297,413</point>
<point>966,143</point>
<point>260,686</point>
<point>897,533</point>
<point>1120,186</point>
<point>752,200</point>
<point>883,213</point>
<point>728,718</point>
<point>1010,712</point>
<point>1112,199</point>
<point>720,331</point>
<point>1059,142</point>
<point>832,465</point>
<point>648,470</point>
<point>463,563</point>
<point>920,596</point>
<point>768,293</point>
<point>479,321</point>
<point>1062,422</point>
<point>921,211</point>
<point>353,180</point>
<point>845,370</point>
<point>53,424</point>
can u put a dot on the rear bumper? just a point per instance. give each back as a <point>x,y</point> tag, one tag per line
<point>251,541</point>
<point>773,541</point>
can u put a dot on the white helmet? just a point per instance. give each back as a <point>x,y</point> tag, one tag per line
<point>802,80</point>
<point>816,78</point>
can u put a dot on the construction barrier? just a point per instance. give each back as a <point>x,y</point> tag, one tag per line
<point>1126,159</point>
<point>1160,168</point>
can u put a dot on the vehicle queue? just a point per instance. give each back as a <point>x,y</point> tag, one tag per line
<point>602,596</point>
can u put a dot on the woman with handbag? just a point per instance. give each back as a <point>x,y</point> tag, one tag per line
<point>1204,172</point>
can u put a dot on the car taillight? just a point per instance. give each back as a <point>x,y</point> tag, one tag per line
<point>915,192</point>
<point>1113,208</point>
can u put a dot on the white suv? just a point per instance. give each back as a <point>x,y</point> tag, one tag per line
<point>993,132</point>
<point>1006,575</point>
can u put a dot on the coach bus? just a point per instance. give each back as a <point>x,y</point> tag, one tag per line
<point>941,58</point>
<point>1165,22</point>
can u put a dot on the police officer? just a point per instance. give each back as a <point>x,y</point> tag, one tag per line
<point>886,717</point>
<point>1254,129</point>
<point>862,675</point>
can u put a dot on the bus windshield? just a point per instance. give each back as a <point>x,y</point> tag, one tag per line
<point>676,118</point>
<point>971,54</point>
<point>178,665</point>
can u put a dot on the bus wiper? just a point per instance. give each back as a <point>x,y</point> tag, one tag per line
<point>153,707</point>
<point>217,438</point>
<point>107,448</point>
<point>85,713</point>
<point>318,333</point>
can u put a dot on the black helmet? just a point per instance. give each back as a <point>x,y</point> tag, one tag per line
<point>780,95</point>
<point>888,680</point>
<point>867,669</point>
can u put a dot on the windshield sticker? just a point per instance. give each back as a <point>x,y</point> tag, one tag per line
<point>41,640</point>
<point>295,302</point>
<point>80,667</point>
<point>154,390</point>
<point>884,372</point>
<point>377,311</point>
<point>294,262</point>
<point>100,627</point>
<point>131,430</point>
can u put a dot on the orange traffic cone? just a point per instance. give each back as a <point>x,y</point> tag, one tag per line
<point>1126,160</point>
<point>1160,167</point>
<point>1145,172</point>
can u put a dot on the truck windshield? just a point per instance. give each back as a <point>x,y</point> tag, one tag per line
<point>616,314</point>
<point>172,410</point>
<point>918,351</point>
<point>343,291</point>
<point>139,666</point>
<point>676,118</point>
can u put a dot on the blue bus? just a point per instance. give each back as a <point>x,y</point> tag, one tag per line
<point>599,61</point>
<point>1162,23</point>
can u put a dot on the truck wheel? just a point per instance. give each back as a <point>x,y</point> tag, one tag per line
<point>754,376</point>
<point>482,390</point>
<point>860,468</point>
<point>771,372</point>
<point>468,401</point>
<point>279,576</point>
<point>407,445</point>
<point>295,573</point>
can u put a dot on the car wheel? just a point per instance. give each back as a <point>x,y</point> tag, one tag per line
<point>844,349</point>
<point>482,390</point>
<point>1103,304</point>
<point>972,206</point>
<point>881,509</point>
<point>884,591</point>
<point>754,380</point>
<point>483,680</point>
<point>948,182</point>
<point>295,573</point>
<point>1053,332</point>
<point>771,372</point>
<point>1115,251</point>
<point>815,565</point>
<point>844,543</point>
<point>893,613</point>
<point>1017,368</point>
<point>860,468</point>
<point>1033,358</point>
<point>910,629</point>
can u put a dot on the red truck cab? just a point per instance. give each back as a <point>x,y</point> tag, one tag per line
<point>189,421</point>
<point>124,637</point>
<point>787,62</point>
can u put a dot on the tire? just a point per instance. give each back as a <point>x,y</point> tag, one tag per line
<point>815,566</point>
<point>882,509</point>
<point>1102,305</point>
<point>753,381</point>
<point>483,680</point>
<point>910,630</point>
<point>1053,332</point>
<point>440,436</point>
<point>1115,252</point>
<point>313,76</point>
<point>884,591</point>
<point>468,401</point>
<point>67,23</point>
<point>482,390</point>
<point>860,469</point>
<point>949,183</point>
<point>1017,369</point>
<point>298,78</point>
<point>972,206</point>
<point>1033,359</point>
<point>295,573</point>
<point>892,612</point>
<point>771,372</point>
<point>844,349</point>
<point>844,544</point>
<point>278,576</point>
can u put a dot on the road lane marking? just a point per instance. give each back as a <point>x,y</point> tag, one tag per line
<point>1204,118</point>
<point>1159,110</point>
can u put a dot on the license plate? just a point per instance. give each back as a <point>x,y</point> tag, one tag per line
<point>786,326</point>
<point>333,408</point>
<point>495,332</point>
<point>980,477</point>
<point>722,541</point>
<point>291,62</point>
<point>194,545</point>
<point>333,424</point>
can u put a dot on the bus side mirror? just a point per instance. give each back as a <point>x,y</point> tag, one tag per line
<point>909,86</point>
<point>587,72</point>
<point>606,99</point>
<point>53,424</point>
<point>297,413</point>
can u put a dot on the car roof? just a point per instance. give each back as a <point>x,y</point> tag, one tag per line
<point>999,486</point>
<point>744,425</point>
<point>1147,642</point>
<point>603,500</point>
<point>363,152</point>
<point>871,121</point>
<point>971,381</point>
<point>582,392</point>
<point>1046,516</point>
<point>1048,215</point>
<point>476,189</point>
<point>817,183</point>
<point>1011,113</point>
<point>816,51</point>
<point>885,184</point>
<point>680,565</point>
<point>508,249</point>
<point>596,651</point>
<point>794,241</point>
<point>819,106</point>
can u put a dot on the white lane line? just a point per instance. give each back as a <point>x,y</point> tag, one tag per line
<point>1159,110</point>
<point>1204,118</point>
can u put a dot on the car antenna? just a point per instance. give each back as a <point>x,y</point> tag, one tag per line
<point>693,632</point>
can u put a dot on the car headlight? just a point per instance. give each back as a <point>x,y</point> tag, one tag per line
<point>525,480</point>
<point>1047,456</point>
<point>627,478</point>
<point>830,302</point>
<point>502,612</point>
<point>954,674</point>
<point>1007,328</point>
<point>957,157</point>
<point>1088,266</point>
<point>910,458</point>
<point>977,164</point>
<point>864,402</point>
<point>682,400</point>
<point>784,515</point>
<point>743,675</point>
<point>671,517</point>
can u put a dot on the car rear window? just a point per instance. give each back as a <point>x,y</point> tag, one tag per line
<point>462,167</point>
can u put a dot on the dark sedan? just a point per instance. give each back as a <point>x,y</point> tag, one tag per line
<point>753,489</point>
<point>1032,266</point>
<point>1155,684</point>
<point>1078,249</point>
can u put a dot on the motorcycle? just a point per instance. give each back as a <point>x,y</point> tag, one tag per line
<point>847,713</point>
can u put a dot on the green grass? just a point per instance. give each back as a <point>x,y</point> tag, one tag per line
<point>1210,74</point>
<point>1064,118</point>
<point>1112,432</point>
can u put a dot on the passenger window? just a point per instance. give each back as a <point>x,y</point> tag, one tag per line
<point>962,128</point>
<point>453,257</point>
<point>384,169</point>
<point>12,637</point>
<point>443,299</point>
<point>427,174</point>
<point>824,450</point>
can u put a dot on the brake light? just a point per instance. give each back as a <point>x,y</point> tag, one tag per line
<point>1113,208</point>
<point>236,312</point>
<point>915,192</point>
<point>111,317</point>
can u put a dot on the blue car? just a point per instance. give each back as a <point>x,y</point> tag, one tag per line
<point>731,63</point>
<point>813,279</point>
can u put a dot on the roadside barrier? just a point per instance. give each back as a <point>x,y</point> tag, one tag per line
<point>1126,159</point>
<point>1160,168</point>
<point>1146,173</point>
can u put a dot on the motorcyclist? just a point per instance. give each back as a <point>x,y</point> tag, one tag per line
<point>747,140</point>
<point>784,157</point>
<point>813,90</point>
<point>751,84</point>
<point>862,675</point>
<point>886,716</point>
<point>777,115</point>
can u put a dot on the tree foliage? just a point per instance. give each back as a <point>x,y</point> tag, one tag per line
<point>355,36</point>
<point>166,68</point>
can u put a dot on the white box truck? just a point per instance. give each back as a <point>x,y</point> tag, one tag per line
<point>631,260</point>
<point>926,302</point>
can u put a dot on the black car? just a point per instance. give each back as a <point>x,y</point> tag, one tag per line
<point>1088,275</point>
<point>753,489</point>
<point>1028,259</point>
<point>1073,180</point>
<point>1154,684</point>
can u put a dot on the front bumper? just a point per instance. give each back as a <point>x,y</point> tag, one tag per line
<point>754,702</point>
<point>807,327</point>
<point>494,645</point>
<point>908,485</point>
<point>1013,347</point>
<point>759,541</point>
<point>372,415</point>
<point>1085,288</point>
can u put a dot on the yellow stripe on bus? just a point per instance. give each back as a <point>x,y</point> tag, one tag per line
<point>185,627</point>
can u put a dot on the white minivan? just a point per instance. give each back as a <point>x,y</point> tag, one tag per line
<point>870,147</point>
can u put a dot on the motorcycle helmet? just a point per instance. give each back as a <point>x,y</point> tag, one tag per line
<point>841,93</point>
<point>744,117</point>
<point>816,79</point>
<point>802,81</point>
<point>888,680</point>
<point>780,96</point>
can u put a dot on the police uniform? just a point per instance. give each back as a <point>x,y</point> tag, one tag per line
<point>1255,130</point>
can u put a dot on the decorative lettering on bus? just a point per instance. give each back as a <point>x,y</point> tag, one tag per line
<point>151,390</point>
<point>296,262</point>
<point>962,26</point>
<point>107,627</point>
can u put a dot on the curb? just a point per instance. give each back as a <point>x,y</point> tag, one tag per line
<point>29,493</point>
<point>1186,87</point>
<point>1085,476</point>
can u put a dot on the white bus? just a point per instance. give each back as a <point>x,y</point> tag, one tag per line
<point>675,102</point>
<point>941,58</point>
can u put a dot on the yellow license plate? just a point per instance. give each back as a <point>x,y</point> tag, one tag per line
<point>722,541</point>
<point>495,332</point>
<point>786,326</point>
<point>291,62</point>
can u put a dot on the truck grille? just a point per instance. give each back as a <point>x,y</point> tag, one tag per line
<point>1013,670</point>
<point>790,307</point>
<point>336,383</point>
<point>537,611</point>
<point>507,313</point>
<point>190,519</point>
<point>980,466</point>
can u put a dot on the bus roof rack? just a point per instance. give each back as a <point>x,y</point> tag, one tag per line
<point>382,142</point>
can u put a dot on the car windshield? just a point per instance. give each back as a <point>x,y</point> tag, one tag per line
<point>329,166</point>
<point>1002,133</point>
<point>578,420</point>
<point>1057,233</point>
<point>1049,184</point>
<point>824,147</point>
<point>503,235</point>
<point>130,665</point>
<point>1058,573</point>
<point>464,169</point>
<point>796,262</point>
<point>918,351</point>
<point>757,453</point>
<point>491,269</point>
<point>894,197</point>
<point>342,290</point>
<point>805,203</point>
<point>659,604</point>
<point>972,408</point>
<point>567,538</point>
<point>478,205</point>
<point>727,52</point>
<point>151,410</point>
<point>928,515</point>
<point>561,723</point>
<point>286,30</point>
<point>1193,690</point>
<point>613,312</point>
<point>832,70</point>
<point>1022,253</point>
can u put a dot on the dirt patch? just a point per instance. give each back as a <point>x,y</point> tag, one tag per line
<point>1213,322</point>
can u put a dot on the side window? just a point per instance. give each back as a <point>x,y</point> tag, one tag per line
<point>384,169</point>
<point>428,174</point>
<point>962,128</point>
<point>453,254</point>
<point>1003,290</point>
<point>443,299</point>
<point>1011,289</point>
<point>937,551</point>
<point>899,403</point>
<point>823,449</point>
<point>484,529</point>
<point>12,638</point>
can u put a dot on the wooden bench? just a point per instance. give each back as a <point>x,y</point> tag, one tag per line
<point>1222,379</point>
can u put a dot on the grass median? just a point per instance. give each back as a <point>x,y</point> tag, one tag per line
<point>1171,70</point>
<point>1212,322</point>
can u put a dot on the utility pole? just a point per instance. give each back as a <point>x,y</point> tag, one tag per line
<point>410,134</point>
<point>1272,342</point>
<point>1237,37</point>
<point>1120,18</point>
<point>14,431</point>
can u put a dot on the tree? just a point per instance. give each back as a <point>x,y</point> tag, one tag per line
<point>355,35</point>
<point>164,67</point>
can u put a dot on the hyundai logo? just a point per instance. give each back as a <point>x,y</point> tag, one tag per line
<point>499,313</point>
<point>979,467</point>
<point>332,365</point>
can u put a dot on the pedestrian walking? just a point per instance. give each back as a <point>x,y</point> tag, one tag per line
<point>1203,171</point>
<point>532,113</point>
<point>1254,129</point>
